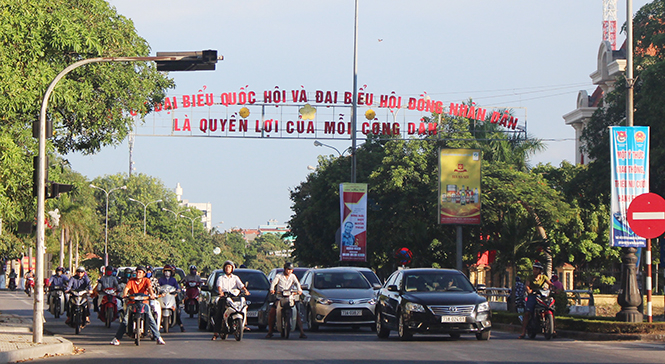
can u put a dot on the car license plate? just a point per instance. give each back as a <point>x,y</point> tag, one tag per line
<point>352,313</point>
<point>252,313</point>
<point>453,319</point>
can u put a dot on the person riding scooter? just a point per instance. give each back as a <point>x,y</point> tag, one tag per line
<point>79,282</point>
<point>283,282</point>
<point>106,281</point>
<point>536,283</point>
<point>139,284</point>
<point>191,284</point>
<point>225,283</point>
<point>167,277</point>
<point>12,280</point>
<point>59,279</point>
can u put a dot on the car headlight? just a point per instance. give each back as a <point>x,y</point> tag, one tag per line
<point>485,306</point>
<point>324,301</point>
<point>414,307</point>
<point>371,302</point>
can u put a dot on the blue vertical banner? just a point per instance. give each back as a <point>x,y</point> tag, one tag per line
<point>629,147</point>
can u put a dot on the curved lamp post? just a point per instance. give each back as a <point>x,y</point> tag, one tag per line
<point>145,210</point>
<point>319,144</point>
<point>106,234</point>
<point>192,220</point>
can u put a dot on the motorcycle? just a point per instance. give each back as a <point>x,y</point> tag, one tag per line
<point>542,320</point>
<point>56,301</point>
<point>138,311</point>
<point>108,310</point>
<point>234,314</point>
<point>29,286</point>
<point>167,302</point>
<point>191,298</point>
<point>287,312</point>
<point>12,284</point>
<point>78,300</point>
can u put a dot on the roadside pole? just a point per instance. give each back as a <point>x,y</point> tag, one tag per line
<point>170,61</point>
<point>649,285</point>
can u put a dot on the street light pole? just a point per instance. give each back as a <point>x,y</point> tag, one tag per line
<point>106,234</point>
<point>145,210</point>
<point>181,62</point>
<point>192,220</point>
<point>319,144</point>
<point>354,114</point>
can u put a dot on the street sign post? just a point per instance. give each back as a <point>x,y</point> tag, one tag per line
<point>646,217</point>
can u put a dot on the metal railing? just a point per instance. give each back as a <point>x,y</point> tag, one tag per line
<point>579,295</point>
<point>495,294</point>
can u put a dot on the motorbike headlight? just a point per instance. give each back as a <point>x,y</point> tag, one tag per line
<point>414,307</point>
<point>324,301</point>
<point>483,307</point>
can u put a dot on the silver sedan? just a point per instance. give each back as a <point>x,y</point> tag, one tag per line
<point>337,296</point>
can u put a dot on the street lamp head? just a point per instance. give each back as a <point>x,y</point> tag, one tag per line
<point>158,201</point>
<point>131,199</point>
<point>317,143</point>
<point>93,186</point>
<point>123,187</point>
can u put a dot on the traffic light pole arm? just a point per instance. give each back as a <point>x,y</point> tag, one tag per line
<point>38,315</point>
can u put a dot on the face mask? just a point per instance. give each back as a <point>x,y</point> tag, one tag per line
<point>149,274</point>
<point>167,274</point>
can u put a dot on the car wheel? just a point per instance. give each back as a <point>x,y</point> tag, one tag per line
<point>454,336</point>
<point>381,331</point>
<point>311,324</point>
<point>403,331</point>
<point>484,336</point>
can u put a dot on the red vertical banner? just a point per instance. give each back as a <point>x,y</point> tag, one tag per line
<point>353,213</point>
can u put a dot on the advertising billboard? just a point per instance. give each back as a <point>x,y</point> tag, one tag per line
<point>353,213</point>
<point>459,186</point>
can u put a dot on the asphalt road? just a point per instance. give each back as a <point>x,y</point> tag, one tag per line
<point>336,345</point>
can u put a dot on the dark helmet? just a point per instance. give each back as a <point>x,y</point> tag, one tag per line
<point>228,262</point>
<point>192,267</point>
<point>108,271</point>
<point>242,266</point>
<point>518,279</point>
<point>538,265</point>
<point>288,265</point>
<point>60,269</point>
<point>140,267</point>
<point>148,268</point>
<point>128,272</point>
<point>555,277</point>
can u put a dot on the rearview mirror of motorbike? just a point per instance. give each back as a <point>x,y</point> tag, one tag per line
<point>205,287</point>
<point>393,288</point>
<point>305,287</point>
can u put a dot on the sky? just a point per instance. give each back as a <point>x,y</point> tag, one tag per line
<point>530,56</point>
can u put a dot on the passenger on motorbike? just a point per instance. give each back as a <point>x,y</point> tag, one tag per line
<point>139,284</point>
<point>79,282</point>
<point>29,282</point>
<point>106,281</point>
<point>283,282</point>
<point>225,283</point>
<point>536,283</point>
<point>167,277</point>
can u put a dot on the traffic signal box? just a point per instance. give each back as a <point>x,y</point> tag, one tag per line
<point>54,189</point>
<point>192,61</point>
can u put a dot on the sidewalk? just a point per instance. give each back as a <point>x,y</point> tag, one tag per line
<point>16,336</point>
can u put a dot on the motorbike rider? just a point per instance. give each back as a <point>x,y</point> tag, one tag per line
<point>225,283</point>
<point>536,283</point>
<point>193,276</point>
<point>12,278</point>
<point>79,282</point>
<point>138,284</point>
<point>106,281</point>
<point>168,273</point>
<point>59,279</point>
<point>283,282</point>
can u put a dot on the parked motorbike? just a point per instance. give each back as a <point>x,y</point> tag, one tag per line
<point>234,314</point>
<point>138,316</point>
<point>56,301</point>
<point>542,320</point>
<point>167,302</point>
<point>108,310</point>
<point>191,298</point>
<point>287,312</point>
<point>29,286</point>
<point>12,284</point>
<point>78,301</point>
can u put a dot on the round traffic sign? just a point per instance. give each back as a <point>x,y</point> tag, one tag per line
<point>646,215</point>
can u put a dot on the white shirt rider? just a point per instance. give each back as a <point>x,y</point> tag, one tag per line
<point>283,283</point>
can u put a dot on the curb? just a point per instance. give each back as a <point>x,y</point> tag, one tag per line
<point>64,347</point>
<point>589,336</point>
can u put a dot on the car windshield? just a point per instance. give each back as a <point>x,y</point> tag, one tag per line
<point>436,282</point>
<point>340,280</point>
<point>254,280</point>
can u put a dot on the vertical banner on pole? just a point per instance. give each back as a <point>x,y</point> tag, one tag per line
<point>459,186</point>
<point>630,178</point>
<point>353,213</point>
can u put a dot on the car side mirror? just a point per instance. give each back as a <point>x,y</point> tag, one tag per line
<point>376,286</point>
<point>393,288</point>
<point>480,287</point>
<point>204,287</point>
<point>305,287</point>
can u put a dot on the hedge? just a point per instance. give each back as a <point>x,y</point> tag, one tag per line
<point>598,324</point>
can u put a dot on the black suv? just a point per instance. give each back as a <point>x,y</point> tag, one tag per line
<point>436,301</point>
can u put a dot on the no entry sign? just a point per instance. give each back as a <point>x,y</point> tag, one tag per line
<point>646,215</point>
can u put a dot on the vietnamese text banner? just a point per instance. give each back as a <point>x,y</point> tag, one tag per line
<point>459,186</point>
<point>353,213</point>
<point>629,148</point>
